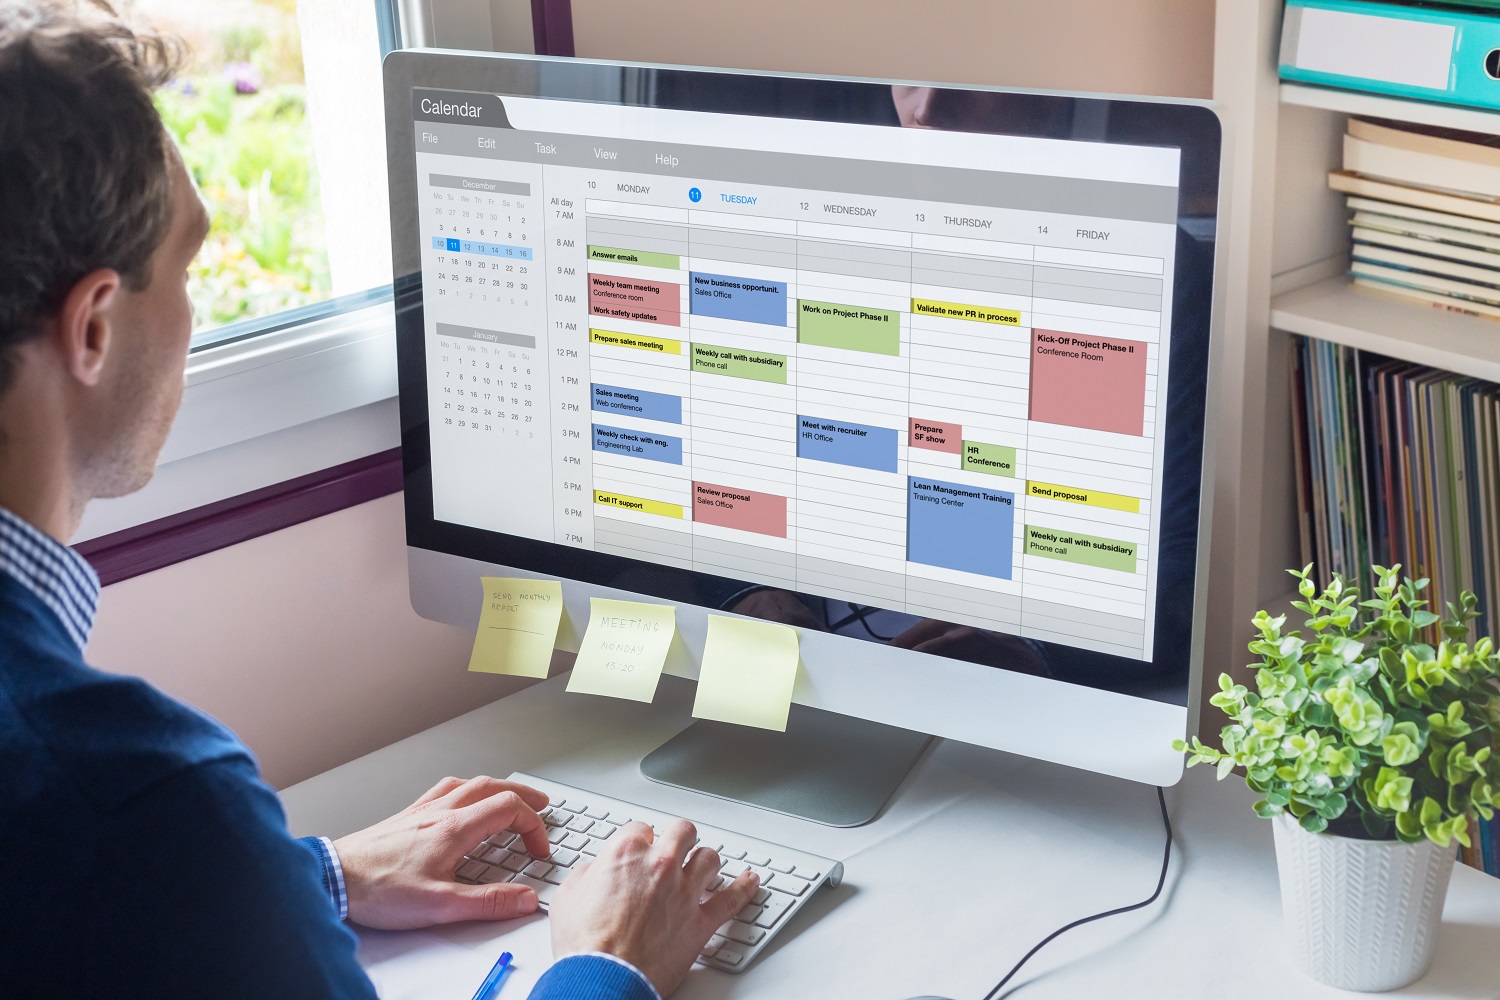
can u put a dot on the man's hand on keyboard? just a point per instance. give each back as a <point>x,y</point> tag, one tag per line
<point>648,900</point>
<point>399,872</point>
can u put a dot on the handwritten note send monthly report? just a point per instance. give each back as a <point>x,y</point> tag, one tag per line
<point>624,649</point>
<point>517,626</point>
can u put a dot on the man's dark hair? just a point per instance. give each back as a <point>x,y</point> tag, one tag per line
<point>84,183</point>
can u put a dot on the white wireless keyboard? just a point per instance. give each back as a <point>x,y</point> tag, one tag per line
<point>580,822</point>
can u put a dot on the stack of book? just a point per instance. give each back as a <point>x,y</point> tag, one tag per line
<point>1399,463</point>
<point>1425,213</point>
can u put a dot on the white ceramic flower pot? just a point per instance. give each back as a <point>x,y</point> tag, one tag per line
<point>1360,914</point>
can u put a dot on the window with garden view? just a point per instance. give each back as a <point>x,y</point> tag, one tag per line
<point>279,119</point>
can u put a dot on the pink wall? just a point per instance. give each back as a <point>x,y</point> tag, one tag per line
<point>1160,47</point>
<point>303,642</point>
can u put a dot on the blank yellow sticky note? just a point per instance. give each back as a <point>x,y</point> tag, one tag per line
<point>749,668</point>
<point>624,649</point>
<point>517,626</point>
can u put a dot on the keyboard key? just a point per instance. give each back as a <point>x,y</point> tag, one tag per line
<point>578,828</point>
<point>772,910</point>
<point>790,884</point>
<point>470,870</point>
<point>738,930</point>
<point>544,890</point>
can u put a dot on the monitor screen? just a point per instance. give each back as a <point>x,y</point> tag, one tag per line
<point>919,366</point>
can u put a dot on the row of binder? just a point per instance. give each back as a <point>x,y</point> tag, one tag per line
<point>1448,53</point>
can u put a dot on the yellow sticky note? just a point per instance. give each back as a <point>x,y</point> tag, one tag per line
<point>624,649</point>
<point>517,626</point>
<point>749,668</point>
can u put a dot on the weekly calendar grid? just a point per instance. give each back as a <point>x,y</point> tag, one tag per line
<point>834,399</point>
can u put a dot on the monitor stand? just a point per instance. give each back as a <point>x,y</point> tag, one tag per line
<point>829,768</point>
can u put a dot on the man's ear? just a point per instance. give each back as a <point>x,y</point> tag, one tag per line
<point>82,328</point>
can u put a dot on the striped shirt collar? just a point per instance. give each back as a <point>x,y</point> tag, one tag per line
<point>56,575</point>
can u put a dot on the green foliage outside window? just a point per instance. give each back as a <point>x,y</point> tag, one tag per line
<point>241,122</point>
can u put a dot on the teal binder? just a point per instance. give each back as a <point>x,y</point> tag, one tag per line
<point>1432,54</point>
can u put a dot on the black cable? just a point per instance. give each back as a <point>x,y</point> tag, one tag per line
<point>864,622</point>
<point>1166,859</point>
<point>858,613</point>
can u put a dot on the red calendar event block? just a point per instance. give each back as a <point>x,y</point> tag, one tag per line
<point>1093,382</point>
<point>634,298</point>
<point>934,436</point>
<point>745,510</point>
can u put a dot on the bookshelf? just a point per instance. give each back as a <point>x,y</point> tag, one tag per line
<point>1334,309</point>
<point>1283,254</point>
<point>1398,109</point>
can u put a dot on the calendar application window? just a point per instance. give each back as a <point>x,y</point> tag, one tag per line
<point>915,370</point>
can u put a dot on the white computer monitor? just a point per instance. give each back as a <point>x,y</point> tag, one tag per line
<point>905,365</point>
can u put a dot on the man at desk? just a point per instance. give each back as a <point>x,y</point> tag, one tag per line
<point>140,854</point>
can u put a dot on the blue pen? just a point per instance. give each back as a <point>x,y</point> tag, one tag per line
<point>491,984</point>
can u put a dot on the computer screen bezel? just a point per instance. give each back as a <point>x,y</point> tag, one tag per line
<point>1195,123</point>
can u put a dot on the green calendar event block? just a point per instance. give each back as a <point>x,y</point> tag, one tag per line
<point>739,363</point>
<point>850,328</point>
<point>1086,550</point>
<point>644,258</point>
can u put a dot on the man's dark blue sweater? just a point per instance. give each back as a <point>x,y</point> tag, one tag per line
<point>140,853</point>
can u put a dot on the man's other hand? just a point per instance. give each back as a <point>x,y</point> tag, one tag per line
<point>647,901</point>
<point>399,872</point>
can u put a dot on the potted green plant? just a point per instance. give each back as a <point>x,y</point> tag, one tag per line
<point>1370,749</point>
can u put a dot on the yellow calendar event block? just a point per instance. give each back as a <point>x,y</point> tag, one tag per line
<point>636,503</point>
<point>957,310</point>
<point>1075,494</point>
<point>656,345</point>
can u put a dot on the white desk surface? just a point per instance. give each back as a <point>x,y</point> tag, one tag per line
<point>978,857</point>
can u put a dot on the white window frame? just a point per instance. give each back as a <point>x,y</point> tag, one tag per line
<point>269,407</point>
